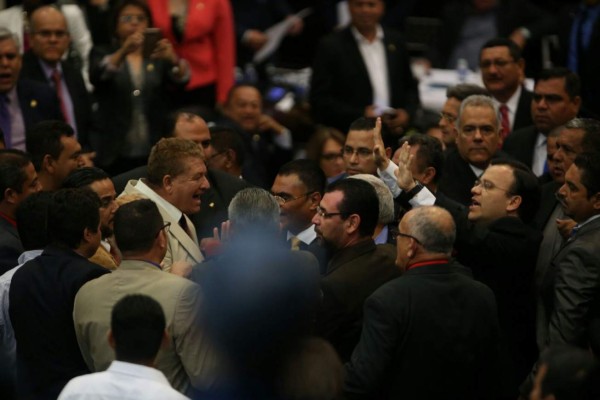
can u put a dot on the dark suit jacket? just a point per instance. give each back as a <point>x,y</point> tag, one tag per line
<point>340,84</point>
<point>38,102</point>
<point>503,256</point>
<point>589,63</point>
<point>432,324</point>
<point>520,144</point>
<point>82,105</point>
<point>458,177</point>
<point>10,246</point>
<point>214,201</point>
<point>523,113</point>
<point>354,273</point>
<point>571,293</point>
<point>115,94</point>
<point>42,294</point>
<point>547,203</point>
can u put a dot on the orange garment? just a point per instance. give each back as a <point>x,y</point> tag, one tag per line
<point>208,43</point>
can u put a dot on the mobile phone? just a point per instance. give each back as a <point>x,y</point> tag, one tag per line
<point>151,38</point>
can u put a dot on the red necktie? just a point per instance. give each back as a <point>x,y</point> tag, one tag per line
<point>505,122</point>
<point>58,86</point>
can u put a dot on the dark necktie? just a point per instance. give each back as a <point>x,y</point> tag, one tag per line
<point>504,120</point>
<point>183,224</point>
<point>5,120</point>
<point>56,78</point>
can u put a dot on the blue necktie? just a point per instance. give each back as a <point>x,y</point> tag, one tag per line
<point>5,120</point>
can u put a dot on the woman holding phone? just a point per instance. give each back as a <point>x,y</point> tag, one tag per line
<point>132,82</point>
<point>202,32</point>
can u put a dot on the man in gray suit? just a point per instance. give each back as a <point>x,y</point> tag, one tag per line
<point>188,361</point>
<point>176,181</point>
<point>571,287</point>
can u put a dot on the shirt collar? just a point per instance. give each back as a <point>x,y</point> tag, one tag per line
<point>383,236</point>
<point>29,255</point>
<point>48,69</point>
<point>8,219</point>
<point>140,371</point>
<point>587,221</point>
<point>307,236</point>
<point>173,211</point>
<point>513,102</point>
<point>11,95</point>
<point>361,39</point>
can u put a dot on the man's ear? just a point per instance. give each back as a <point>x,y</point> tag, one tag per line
<point>514,203</point>
<point>315,199</point>
<point>10,196</point>
<point>428,176</point>
<point>352,223</point>
<point>167,183</point>
<point>388,152</point>
<point>88,234</point>
<point>48,164</point>
<point>596,201</point>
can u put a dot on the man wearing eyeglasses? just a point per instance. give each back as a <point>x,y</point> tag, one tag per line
<point>495,241</point>
<point>43,63</point>
<point>142,235</point>
<point>431,333</point>
<point>345,221</point>
<point>298,189</point>
<point>503,73</point>
<point>358,148</point>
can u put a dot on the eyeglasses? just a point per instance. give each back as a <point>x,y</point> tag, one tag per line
<point>406,235</point>
<point>166,227</point>
<point>487,185</point>
<point>131,17</point>
<point>331,156</point>
<point>361,152</point>
<point>283,198</point>
<point>497,63</point>
<point>448,117</point>
<point>47,34</point>
<point>321,212</point>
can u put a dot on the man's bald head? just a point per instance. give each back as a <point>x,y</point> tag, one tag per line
<point>433,227</point>
<point>49,34</point>
<point>192,127</point>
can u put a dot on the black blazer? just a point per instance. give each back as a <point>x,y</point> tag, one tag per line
<point>10,246</point>
<point>353,274</point>
<point>523,113</point>
<point>521,143</point>
<point>432,324</point>
<point>547,204</point>
<point>38,102</point>
<point>340,84</point>
<point>82,105</point>
<point>42,295</point>
<point>115,96</point>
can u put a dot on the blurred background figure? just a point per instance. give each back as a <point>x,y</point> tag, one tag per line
<point>202,33</point>
<point>132,89</point>
<point>325,147</point>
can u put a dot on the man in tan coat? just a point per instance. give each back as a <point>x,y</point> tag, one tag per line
<point>176,180</point>
<point>188,361</point>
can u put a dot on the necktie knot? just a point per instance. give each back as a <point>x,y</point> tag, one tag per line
<point>295,243</point>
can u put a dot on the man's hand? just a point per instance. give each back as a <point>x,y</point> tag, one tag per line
<point>181,268</point>
<point>267,123</point>
<point>565,227</point>
<point>255,39</point>
<point>212,246</point>
<point>404,176</point>
<point>297,25</point>
<point>518,37</point>
<point>381,159</point>
<point>164,51</point>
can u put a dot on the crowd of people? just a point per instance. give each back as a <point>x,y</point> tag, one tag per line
<point>169,231</point>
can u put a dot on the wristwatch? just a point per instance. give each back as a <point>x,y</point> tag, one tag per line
<point>413,192</point>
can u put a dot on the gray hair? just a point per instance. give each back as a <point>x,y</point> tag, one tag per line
<point>434,227</point>
<point>252,209</point>
<point>478,101</point>
<point>386,199</point>
<point>591,129</point>
<point>6,34</point>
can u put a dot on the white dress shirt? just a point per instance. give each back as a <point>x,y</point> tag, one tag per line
<point>512,105</point>
<point>373,55</point>
<point>122,380</point>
